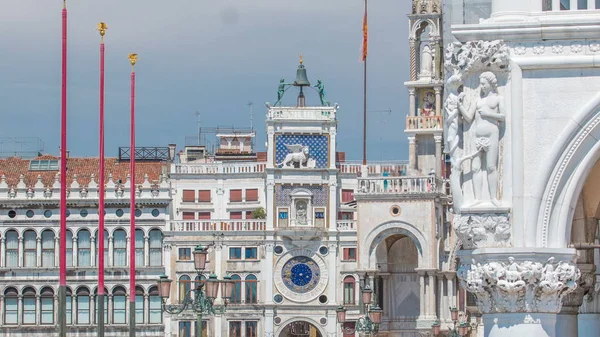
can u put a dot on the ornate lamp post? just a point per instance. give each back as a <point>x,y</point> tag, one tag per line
<point>201,299</point>
<point>367,324</point>
<point>459,329</point>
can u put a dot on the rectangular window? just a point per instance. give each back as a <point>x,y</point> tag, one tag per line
<point>249,215</point>
<point>252,195</point>
<point>189,196</point>
<point>47,310</point>
<point>30,251</point>
<point>235,215</point>
<point>204,196</point>
<point>251,327</point>
<point>203,215</point>
<point>185,254</point>
<point>235,329</point>
<point>29,310</point>
<point>235,253</point>
<point>11,312</point>
<point>139,249</point>
<point>349,291</point>
<point>119,311</point>
<point>251,253</point>
<point>139,309</point>
<point>251,289</point>
<point>12,250</point>
<point>349,254</point>
<point>347,195</point>
<point>120,248</point>
<point>235,195</point>
<point>69,310</point>
<point>83,309</point>
<point>43,165</point>
<point>189,216</point>
<point>155,310</point>
<point>185,329</point>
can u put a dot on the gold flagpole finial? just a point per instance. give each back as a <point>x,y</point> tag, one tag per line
<point>101,27</point>
<point>301,60</point>
<point>133,59</point>
<point>64,3</point>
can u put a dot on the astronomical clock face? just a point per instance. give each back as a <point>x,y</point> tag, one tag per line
<point>301,275</point>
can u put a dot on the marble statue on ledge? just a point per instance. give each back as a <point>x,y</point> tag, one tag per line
<point>301,219</point>
<point>426,62</point>
<point>298,156</point>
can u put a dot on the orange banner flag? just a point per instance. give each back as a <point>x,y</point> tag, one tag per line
<point>365,35</point>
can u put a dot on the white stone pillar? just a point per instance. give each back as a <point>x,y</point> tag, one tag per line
<point>271,146</point>
<point>2,252</point>
<point>412,153</point>
<point>110,308</point>
<point>422,309</point>
<point>442,299</point>
<point>438,100</point>
<point>56,252</point>
<point>93,310</point>
<point>451,290</point>
<point>147,251</point>
<point>332,148</point>
<point>110,252</point>
<point>268,272</point>
<point>218,319</point>
<point>75,259</point>
<point>21,254</point>
<point>270,204</point>
<point>20,308</point>
<point>412,104</point>
<point>332,209</point>
<point>331,261</point>
<point>431,294</point>
<point>38,250</point>
<point>146,309</point>
<point>38,309</point>
<point>438,155</point>
<point>218,268</point>
<point>94,257</point>
<point>127,249</point>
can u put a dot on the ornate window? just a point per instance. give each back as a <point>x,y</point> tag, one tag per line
<point>120,248</point>
<point>155,306</point>
<point>11,306</point>
<point>83,251</point>
<point>349,283</point>
<point>29,249</point>
<point>185,285</point>
<point>119,306</point>
<point>139,248</point>
<point>139,305</point>
<point>237,289</point>
<point>29,305</point>
<point>48,248</point>
<point>251,289</point>
<point>156,240</point>
<point>83,305</point>
<point>47,306</point>
<point>12,249</point>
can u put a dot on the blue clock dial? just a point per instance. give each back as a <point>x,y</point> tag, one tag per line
<point>300,274</point>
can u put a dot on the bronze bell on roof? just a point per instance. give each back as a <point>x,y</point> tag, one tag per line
<point>301,78</point>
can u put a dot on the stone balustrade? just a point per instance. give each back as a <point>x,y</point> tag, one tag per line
<point>424,122</point>
<point>374,168</point>
<point>303,113</point>
<point>216,225</point>
<point>75,191</point>
<point>346,225</point>
<point>218,168</point>
<point>571,5</point>
<point>400,185</point>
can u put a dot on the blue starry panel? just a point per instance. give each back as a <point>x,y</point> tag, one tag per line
<point>283,192</point>
<point>317,147</point>
<point>301,274</point>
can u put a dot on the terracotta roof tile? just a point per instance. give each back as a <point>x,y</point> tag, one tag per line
<point>13,167</point>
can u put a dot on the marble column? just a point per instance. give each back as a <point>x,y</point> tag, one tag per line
<point>268,269</point>
<point>589,314</point>
<point>438,155</point>
<point>412,104</point>
<point>75,257</point>
<point>147,251</point>
<point>146,309</point>
<point>21,249</point>
<point>93,310</point>
<point>520,291</point>
<point>431,312</point>
<point>38,249</point>
<point>38,309</point>
<point>20,309</point>
<point>412,153</point>
<point>451,289</point>
<point>422,294</point>
<point>93,251</point>
<point>2,252</point>
<point>270,204</point>
<point>218,319</point>
<point>443,299</point>
<point>127,249</point>
<point>413,58</point>
<point>56,252</point>
<point>110,261</point>
<point>438,102</point>
<point>218,268</point>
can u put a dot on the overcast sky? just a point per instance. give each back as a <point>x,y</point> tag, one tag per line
<point>198,55</point>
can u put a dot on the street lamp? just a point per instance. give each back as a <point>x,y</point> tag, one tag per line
<point>201,299</point>
<point>367,324</point>
<point>459,329</point>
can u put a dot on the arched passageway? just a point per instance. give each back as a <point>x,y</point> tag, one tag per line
<point>300,329</point>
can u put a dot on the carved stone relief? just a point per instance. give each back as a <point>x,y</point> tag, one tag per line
<point>479,230</point>
<point>525,286</point>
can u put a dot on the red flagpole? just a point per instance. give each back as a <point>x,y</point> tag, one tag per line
<point>62,310</point>
<point>102,28</point>
<point>364,59</point>
<point>132,59</point>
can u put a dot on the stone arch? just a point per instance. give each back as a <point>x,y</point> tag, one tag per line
<point>300,319</point>
<point>559,185</point>
<point>380,232</point>
<point>420,25</point>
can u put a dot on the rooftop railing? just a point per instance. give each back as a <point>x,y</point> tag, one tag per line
<point>569,5</point>
<point>219,168</point>
<point>217,225</point>
<point>400,185</point>
<point>304,113</point>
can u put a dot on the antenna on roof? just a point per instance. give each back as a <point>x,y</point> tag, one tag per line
<point>250,105</point>
<point>198,121</point>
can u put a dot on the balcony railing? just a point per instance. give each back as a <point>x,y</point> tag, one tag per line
<point>217,225</point>
<point>304,113</point>
<point>374,168</point>
<point>346,225</point>
<point>219,168</point>
<point>568,5</point>
<point>424,123</point>
<point>400,185</point>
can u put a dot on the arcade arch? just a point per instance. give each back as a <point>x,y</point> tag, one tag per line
<point>300,327</point>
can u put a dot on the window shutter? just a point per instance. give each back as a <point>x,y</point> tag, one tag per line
<point>189,196</point>
<point>248,214</point>
<point>252,195</point>
<point>235,195</point>
<point>188,216</point>
<point>346,251</point>
<point>204,216</point>
<point>204,196</point>
<point>235,215</point>
<point>347,195</point>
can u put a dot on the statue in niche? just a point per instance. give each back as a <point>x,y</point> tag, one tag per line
<point>428,107</point>
<point>485,116</point>
<point>426,61</point>
<point>301,212</point>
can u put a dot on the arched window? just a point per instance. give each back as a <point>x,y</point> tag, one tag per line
<point>47,301</point>
<point>139,305</point>
<point>30,249</point>
<point>120,248</point>
<point>12,249</point>
<point>185,284</point>
<point>251,289</point>
<point>156,239</point>
<point>97,302</point>
<point>139,248</point>
<point>83,305</point>
<point>349,282</point>
<point>11,306</point>
<point>84,246</point>
<point>69,305</point>
<point>69,249</point>
<point>29,305</point>
<point>155,306</point>
<point>48,248</point>
<point>119,306</point>
<point>237,289</point>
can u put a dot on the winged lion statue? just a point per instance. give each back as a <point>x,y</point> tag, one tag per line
<point>298,154</point>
